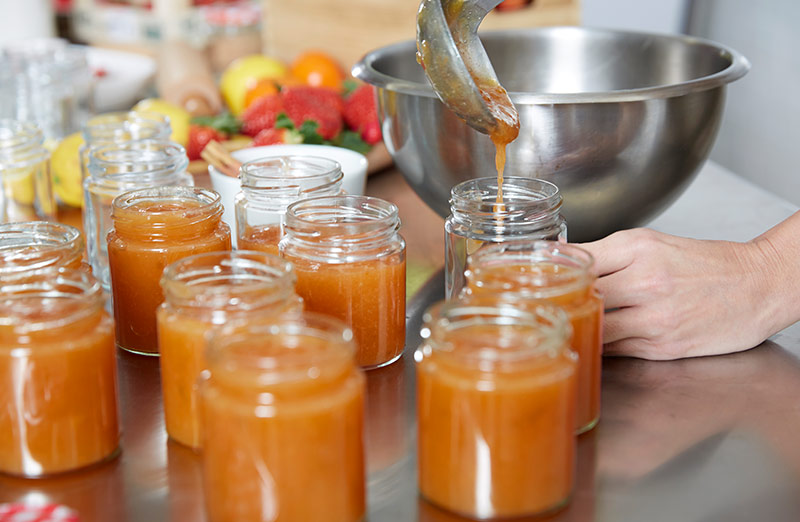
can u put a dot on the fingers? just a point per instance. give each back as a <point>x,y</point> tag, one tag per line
<point>619,290</point>
<point>626,323</point>
<point>611,254</point>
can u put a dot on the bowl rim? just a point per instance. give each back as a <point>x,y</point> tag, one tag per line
<point>739,66</point>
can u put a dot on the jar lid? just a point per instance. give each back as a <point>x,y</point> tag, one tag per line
<point>18,512</point>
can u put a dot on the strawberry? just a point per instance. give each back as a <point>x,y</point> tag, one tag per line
<point>199,137</point>
<point>261,114</point>
<point>361,115</point>
<point>275,136</point>
<point>317,104</point>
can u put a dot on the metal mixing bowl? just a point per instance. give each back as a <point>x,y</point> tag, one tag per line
<point>620,121</point>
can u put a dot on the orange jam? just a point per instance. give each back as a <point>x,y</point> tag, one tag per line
<point>262,238</point>
<point>58,374</point>
<point>560,274</point>
<point>38,244</point>
<point>496,409</point>
<point>350,264</point>
<point>203,292</point>
<point>152,229</point>
<point>282,409</point>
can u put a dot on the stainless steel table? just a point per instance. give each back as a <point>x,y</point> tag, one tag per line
<point>706,439</point>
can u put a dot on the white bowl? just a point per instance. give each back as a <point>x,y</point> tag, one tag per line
<point>354,168</point>
<point>125,80</point>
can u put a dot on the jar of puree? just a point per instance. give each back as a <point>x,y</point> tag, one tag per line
<point>32,245</point>
<point>350,262</point>
<point>495,408</point>
<point>529,211</point>
<point>58,373</point>
<point>269,185</point>
<point>203,292</point>
<point>154,228</point>
<point>282,407</point>
<point>520,271</point>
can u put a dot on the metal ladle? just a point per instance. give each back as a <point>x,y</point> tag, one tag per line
<point>457,65</point>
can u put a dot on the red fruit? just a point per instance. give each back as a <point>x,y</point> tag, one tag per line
<point>361,114</point>
<point>318,104</point>
<point>261,114</point>
<point>199,137</point>
<point>276,137</point>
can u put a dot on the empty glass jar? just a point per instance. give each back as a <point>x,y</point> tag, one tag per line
<point>27,191</point>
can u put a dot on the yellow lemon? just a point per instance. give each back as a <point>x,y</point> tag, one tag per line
<point>243,74</point>
<point>178,117</point>
<point>66,169</point>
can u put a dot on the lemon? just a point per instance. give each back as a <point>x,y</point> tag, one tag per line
<point>178,117</point>
<point>243,74</point>
<point>65,167</point>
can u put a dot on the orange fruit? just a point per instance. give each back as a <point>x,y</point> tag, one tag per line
<point>263,87</point>
<point>318,69</point>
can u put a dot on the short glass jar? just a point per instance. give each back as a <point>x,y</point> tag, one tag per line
<point>500,381</point>
<point>201,293</point>
<point>282,414</point>
<point>350,262</point>
<point>116,168</point>
<point>530,211</point>
<point>26,190</point>
<point>519,271</point>
<point>58,369</point>
<point>33,245</point>
<point>269,186</point>
<point>154,228</point>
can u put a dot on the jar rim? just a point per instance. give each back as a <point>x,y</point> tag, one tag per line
<point>125,126</point>
<point>207,197</point>
<point>327,212</point>
<point>20,143</point>
<point>49,239</point>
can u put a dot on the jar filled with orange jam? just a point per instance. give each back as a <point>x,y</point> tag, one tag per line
<point>203,292</point>
<point>154,228</point>
<point>529,211</point>
<point>558,273</point>
<point>350,262</point>
<point>58,373</point>
<point>282,407</point>
<point>495,408</point>
<point>32,245</point>
<point>269,186</point>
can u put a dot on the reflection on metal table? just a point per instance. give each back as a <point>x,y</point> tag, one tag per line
<point>713,438</point>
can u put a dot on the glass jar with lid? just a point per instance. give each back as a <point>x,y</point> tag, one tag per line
<point>269,186</point>
<point>32,245</point>
<point>204,292</point>
<point>116,168</point>
<point>350,262</point>
<point>26,190</point>
<point>529,211</point>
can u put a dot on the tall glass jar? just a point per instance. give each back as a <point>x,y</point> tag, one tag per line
<point>116,168</point>
<point>26,190</point>
<point>33,245</point>
<point>282,409</point>
<point>521,271</point>
<point>201,293</point>
<point>154,228</point>
<point>350,262</point>
<point>500,381</point>
<point>58,380</point>
<point>530,211</point>
<point>269,186</point>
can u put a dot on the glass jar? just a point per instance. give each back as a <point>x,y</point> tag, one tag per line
<point>282,408</point>
<point>26,190</point>
<point>58,380</point>
<point>116,168</point>
<point>350,262</point>
<point>33,245</point>
<point>500,381</point>
<point>203,292</point>
<point>270,185</point>
<point>559,273</point>
<point>530,211</point>
<point>154,228</point>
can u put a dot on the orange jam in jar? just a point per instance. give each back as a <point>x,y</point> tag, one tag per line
<point>282,409</point>
<point>558,273</point>
<point>269,186</point>
<point>350,262</point>
<point>495,408</point>
<point>152,229</point>
<point>201,293</point>
<point>33,245</point>
<point>58,373</point>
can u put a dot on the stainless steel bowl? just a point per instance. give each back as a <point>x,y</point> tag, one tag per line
<point>620,121</point>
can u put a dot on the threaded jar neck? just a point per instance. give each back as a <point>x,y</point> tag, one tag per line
<point>20,144</point>
<point>141,163</point>
<point>116,127</point>
<point>279,181</point>
<point>34,245</point>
